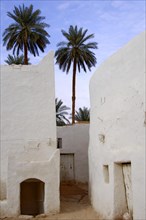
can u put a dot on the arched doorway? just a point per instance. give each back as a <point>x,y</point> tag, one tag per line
<point>32,197</point>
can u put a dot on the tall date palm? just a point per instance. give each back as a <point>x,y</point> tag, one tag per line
<point>27,33</point>
<point>75,52</point>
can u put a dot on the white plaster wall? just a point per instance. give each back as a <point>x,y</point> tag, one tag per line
<point>27,95</point>
<point>28,130</point>
<point>75,139</point>
<point>43,164</point>
<point>117,95</point>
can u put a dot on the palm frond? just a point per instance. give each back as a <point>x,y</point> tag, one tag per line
<point>28,29</point>
<point>76,47</point>
<point>15,60</point>
<point>83,114</point>
<point>61,112</point>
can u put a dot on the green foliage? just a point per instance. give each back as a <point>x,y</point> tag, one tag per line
<point>76,48</point>
<point>12,59</point>
<point>27,33</point>
<point>61,112</point>
<point>83,114</point>
<point>75,52</point>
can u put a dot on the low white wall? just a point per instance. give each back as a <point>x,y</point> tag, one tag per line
<point>75,139</point>
<point>117,129</point>
<point>28,132</point>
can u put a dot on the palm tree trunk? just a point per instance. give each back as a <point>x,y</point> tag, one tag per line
<point>73,91</point>
<point>25,54</point>
<point>25,49</point>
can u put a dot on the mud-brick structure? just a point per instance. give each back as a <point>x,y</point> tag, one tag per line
<point>73,141</point>
<point>117,134</point>
<point>30,159</point>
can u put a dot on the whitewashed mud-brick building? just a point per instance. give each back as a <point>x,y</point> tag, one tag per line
<point>117,134</point>
<point>73,144</point>
<point>29,156</point>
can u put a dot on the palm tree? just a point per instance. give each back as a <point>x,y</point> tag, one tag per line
<point>61,111</point>
<point>83,114</point>
<point>76,52</point>
<point>27,33</point>
<point>15,60</point>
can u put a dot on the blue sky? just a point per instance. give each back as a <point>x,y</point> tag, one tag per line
<point>113,22</point>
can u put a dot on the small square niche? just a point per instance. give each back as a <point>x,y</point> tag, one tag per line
<point>106,173</point>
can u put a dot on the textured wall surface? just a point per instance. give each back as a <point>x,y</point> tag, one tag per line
<point>117,129</point>
<point>28,133</point>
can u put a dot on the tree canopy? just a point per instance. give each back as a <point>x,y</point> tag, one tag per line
<point>27,33</point>
<point>83,114</point>
<point>61,113</point>
<point>12,59</point>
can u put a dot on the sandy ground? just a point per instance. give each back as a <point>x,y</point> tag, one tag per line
<point>74,205</point>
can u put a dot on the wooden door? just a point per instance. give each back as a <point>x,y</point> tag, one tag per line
<point>67,167</point>
<point>128,186</point>
<point>32,197</point>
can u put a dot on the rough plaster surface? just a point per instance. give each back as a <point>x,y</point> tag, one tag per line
<point>117,129</point>
<point>28,133</point>
<point>75,139</point>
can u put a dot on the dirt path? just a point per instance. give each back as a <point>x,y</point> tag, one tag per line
<point>74,205</point>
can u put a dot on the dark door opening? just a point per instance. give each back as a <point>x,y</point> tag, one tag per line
<point>32,197</point>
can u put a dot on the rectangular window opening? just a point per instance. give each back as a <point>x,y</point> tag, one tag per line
<point>106,173</point>
<point>59,143</point>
